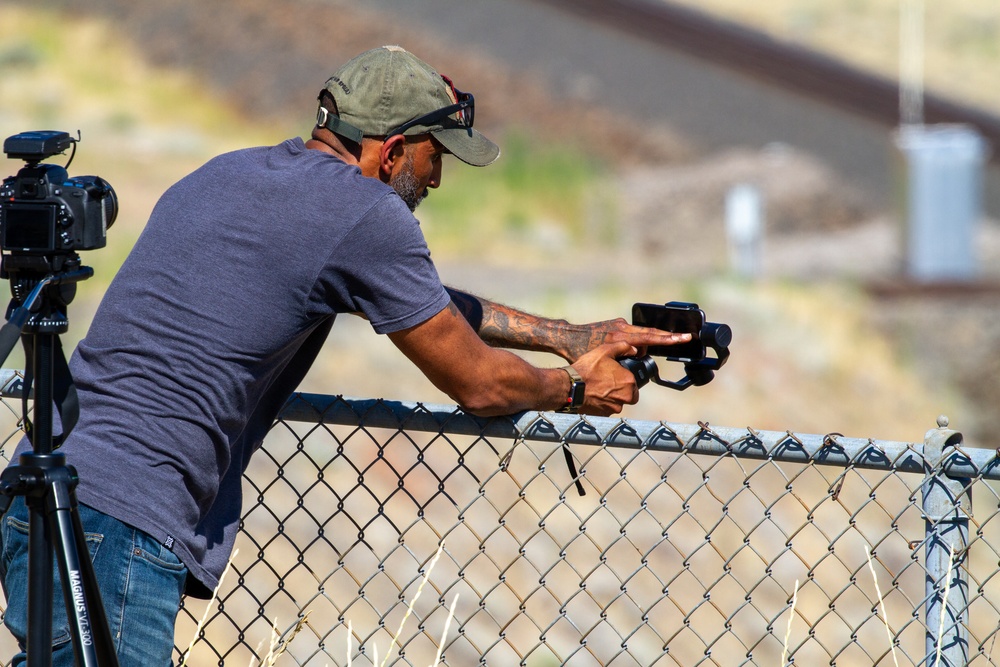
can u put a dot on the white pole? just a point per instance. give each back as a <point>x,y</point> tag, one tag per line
<point>911,62</point>
<point>745,229</point>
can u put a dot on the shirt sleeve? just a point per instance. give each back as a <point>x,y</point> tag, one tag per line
<point>383,269</point>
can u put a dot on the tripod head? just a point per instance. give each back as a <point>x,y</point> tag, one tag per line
<point>42,299</point>
<point>36,316</point>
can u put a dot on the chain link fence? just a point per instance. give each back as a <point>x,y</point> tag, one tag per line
<point>381,532</point>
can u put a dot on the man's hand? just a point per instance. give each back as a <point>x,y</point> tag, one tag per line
<point>609,385</point>
<point>580,339</point>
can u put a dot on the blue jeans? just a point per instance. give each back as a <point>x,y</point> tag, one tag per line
<point>141,584</point>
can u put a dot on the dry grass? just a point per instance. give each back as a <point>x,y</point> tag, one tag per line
<point>208,609</point>
<point>944,606</point>
<point>788,630</point>
<point>881,604</point>
<point>279,642</point>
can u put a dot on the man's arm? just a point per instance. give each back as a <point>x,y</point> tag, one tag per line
<point>502,326</point>
<point>487,381</point>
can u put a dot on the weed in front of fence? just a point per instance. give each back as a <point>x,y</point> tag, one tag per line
<point>409,610</point>
<point>881,603</point>
<point>788,630</point>
<point>208,607</point>
<point>944,605</point>
<point>278,645</point>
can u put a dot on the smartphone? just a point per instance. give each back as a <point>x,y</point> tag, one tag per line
<point>678,317</point>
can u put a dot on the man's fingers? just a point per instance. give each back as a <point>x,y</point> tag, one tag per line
<point>621,349</point>
<point>658,337</point>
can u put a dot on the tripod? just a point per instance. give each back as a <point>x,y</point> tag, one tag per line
<point>47,482</point>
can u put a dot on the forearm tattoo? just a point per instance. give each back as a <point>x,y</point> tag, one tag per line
<point>508,328</point>
<point>500,326</point>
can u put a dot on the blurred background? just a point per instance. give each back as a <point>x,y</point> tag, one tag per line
<point>745,156</point>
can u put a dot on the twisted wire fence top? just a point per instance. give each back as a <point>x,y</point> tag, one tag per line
<point>701,438</point>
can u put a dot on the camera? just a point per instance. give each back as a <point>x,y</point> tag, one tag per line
<point>44,211</point>
<point>680,317</point>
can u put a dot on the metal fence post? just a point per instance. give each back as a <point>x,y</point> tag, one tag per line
<point>946,524</point>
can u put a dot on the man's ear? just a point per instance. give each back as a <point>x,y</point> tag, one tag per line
<point>390,151</point>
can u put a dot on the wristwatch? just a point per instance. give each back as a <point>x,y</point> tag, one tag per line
<point>577,390</point>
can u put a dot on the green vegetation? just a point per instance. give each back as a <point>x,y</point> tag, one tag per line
<point>537,196</point>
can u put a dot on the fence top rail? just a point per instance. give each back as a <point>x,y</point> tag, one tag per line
<point>830,449</point>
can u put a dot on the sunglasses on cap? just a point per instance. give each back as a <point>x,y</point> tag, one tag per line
<point>465,107</point>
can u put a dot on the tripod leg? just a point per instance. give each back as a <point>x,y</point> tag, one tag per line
<point>40,588</point>
<point>92,644</point>
<point>103,640</point>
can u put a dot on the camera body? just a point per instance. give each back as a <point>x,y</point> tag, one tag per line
<point>43,211</point>
<point>680,317</point>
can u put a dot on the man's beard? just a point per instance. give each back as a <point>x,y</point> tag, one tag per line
<point>407,186</point>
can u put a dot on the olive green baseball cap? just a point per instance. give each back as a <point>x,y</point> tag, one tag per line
<point>388,90</point>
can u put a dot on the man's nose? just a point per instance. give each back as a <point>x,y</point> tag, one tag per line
<point>435,179</point>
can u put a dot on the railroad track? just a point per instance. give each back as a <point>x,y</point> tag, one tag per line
<point>791,67</point>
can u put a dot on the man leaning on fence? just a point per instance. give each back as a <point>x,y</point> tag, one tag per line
<point>222,306</point>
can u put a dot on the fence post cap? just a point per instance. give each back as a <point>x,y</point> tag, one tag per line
<point>942,436</point>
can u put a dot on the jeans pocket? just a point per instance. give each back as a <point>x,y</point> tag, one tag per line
<point>160,557</point>
<point>16,557</point>
<point>150,604</point>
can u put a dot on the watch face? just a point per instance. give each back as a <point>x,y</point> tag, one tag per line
<point>576,394</point>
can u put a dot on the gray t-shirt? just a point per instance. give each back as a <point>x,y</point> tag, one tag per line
<point>212,322</point>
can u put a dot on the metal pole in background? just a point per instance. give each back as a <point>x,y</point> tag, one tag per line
<point>942,206</point>
<point>946,538</point>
